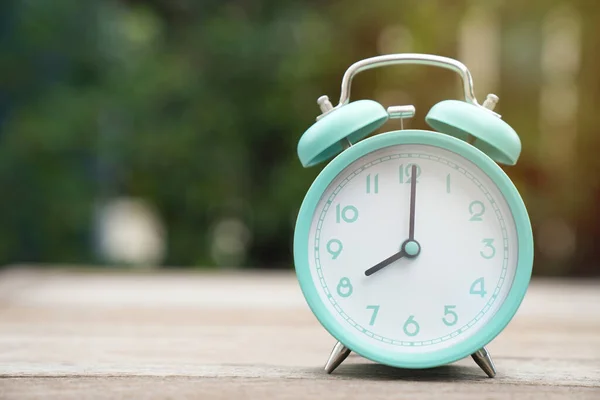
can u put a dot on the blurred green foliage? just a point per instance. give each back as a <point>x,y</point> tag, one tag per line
<point>197,106</point>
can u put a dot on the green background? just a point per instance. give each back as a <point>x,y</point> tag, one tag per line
<point>196,107</point>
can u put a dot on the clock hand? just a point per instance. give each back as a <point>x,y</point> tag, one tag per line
<point>410,249</point>
<point>413,194</point>
<point>386,262</point>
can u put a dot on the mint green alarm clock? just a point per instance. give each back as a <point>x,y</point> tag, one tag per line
<point>412,248</point>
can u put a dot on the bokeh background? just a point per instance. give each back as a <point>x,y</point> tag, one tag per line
<point>162,133</point>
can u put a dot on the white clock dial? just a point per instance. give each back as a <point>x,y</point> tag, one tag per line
<point>467,238</point>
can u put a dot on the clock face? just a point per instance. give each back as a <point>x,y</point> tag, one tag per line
<point>447,283</point>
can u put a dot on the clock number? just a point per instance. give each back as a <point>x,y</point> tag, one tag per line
<point>488,245</point>
<point>448,183</point>
<point>405,173</point>
<point>476,209</point>
<point>347,214</point>
<point>411,327</point>
<point>453,316</point>
<point>375,184</point>
<point>478,287</point>
<point>344,288</point>
<point>374,315</point>
<point>334,247</point>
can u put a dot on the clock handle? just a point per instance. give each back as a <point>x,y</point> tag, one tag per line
<point>418,59</point>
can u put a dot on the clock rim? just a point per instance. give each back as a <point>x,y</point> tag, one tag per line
<point>524,257</point>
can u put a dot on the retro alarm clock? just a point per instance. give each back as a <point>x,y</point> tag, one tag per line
<point>412,248</point>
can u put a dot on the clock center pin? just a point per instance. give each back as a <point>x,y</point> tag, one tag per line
<point>411,248</point>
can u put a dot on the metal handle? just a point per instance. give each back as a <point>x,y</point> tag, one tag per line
<point>408,58</point>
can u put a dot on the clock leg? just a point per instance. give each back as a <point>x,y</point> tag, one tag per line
<point>337,356</point>
<point>484,360</point>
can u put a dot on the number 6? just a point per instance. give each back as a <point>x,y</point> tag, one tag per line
<point>411,322</point>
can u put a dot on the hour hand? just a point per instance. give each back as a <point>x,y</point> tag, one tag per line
<point>385,262</point>
<point>410,249</point>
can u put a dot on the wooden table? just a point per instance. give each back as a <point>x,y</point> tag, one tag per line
<point>78,335</point>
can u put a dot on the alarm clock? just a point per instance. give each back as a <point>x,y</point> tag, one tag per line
<point>412,248</point>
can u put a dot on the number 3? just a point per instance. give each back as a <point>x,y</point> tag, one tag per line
<point>488,244</point>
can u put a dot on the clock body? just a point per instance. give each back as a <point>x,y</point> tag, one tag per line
<point>474,237</point>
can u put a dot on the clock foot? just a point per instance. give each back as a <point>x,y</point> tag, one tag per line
<point>484,360</point>
<point>337,356</point>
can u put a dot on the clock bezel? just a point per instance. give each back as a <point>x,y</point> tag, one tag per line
<point>524,257</point>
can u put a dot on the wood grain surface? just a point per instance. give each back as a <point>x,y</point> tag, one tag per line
<point>67,334</point>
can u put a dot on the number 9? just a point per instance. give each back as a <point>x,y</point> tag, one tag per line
<point>334,247</point>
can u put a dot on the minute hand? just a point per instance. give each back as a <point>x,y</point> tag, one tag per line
<point>413,195</point>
